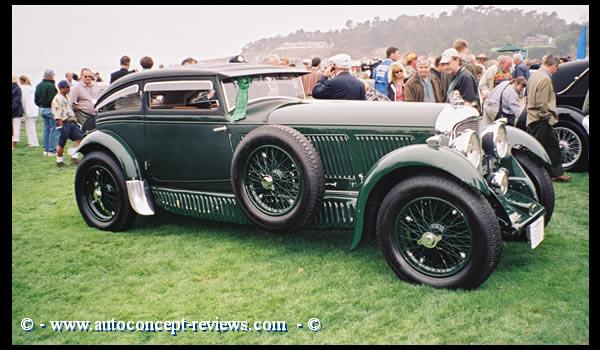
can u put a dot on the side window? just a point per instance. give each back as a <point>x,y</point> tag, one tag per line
<point>182,95</point>
<point>127,99</point>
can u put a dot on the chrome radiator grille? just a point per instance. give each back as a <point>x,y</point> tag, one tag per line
<point>472,124</point>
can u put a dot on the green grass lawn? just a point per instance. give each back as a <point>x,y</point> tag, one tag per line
<point>169,267</point>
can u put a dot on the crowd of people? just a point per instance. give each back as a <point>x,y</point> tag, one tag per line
<point>500,88</point>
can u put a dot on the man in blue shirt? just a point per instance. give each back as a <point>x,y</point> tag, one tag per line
<point>380,73</point>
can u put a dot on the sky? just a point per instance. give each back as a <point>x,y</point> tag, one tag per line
<point>97,36</point>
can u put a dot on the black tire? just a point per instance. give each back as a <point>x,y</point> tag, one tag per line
<point>577,141</point>
<point>111,212</point>
<point>299,168</point>
<point>469,206</point>
<point>541,179</point>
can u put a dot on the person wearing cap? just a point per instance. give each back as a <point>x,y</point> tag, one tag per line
<point>462,80</point>
<point>482,59</point>
<point>125,62</point>
<point>306,64</point>
<point>337,83</point>
<point>380,72</point>
<point>410,68</point>
<point>423,86</point>
<point>355,68</point>
<point>44,93</point>
<point>66,122</point>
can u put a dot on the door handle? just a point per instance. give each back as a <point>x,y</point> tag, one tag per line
<point>220,129</point>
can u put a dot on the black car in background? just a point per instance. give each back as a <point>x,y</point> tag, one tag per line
<point>571,83</point>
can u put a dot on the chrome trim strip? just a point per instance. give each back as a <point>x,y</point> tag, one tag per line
<point>576,79</point>
<point>178,85</point>
<point>139,198</point>
<point>131,89</point>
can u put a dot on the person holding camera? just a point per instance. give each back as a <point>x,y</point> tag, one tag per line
<point>337,83</point>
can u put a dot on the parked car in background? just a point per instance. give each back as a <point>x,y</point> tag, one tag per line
<point>239,143</point>
<point>571,84</point>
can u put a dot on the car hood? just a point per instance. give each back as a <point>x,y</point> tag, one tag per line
<point>358,113</point>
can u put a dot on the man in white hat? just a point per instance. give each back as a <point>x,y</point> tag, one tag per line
<point>306,64</point>
<point>462,80</point>
<point>337,83</point>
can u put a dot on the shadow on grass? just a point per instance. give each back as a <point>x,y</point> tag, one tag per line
<point>172,224</point>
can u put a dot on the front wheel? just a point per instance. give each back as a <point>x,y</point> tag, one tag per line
<point>437,231</point>
<point>101,193</point>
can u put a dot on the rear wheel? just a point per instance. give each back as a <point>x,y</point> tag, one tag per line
<point>101,193</point>
<point>434,230</point>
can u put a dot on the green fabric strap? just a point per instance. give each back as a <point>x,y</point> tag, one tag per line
<point>241,102</point>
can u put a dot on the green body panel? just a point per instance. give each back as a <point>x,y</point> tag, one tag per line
<point>518,137</point>
<point>443,159</point>
<point>117,147</point>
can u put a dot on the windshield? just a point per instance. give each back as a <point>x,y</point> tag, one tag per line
<point>266,86</point>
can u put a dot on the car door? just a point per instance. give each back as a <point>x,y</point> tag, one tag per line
<point>188,146</point>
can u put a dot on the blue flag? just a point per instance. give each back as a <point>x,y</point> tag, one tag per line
<point>581,45</point>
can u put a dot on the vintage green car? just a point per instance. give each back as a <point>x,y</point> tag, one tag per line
<point>239,143</point>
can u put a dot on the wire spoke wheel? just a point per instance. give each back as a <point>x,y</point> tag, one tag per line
<point>101,193</point>
<point>433,236</point>
<point>570,145</point>
<point>272,180</point>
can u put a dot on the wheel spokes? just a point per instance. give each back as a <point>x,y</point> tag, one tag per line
<point>434,236</point>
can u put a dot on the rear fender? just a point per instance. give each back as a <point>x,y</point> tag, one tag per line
<point>111,143</point>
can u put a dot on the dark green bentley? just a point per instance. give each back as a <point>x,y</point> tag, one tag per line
<point>239,143</point>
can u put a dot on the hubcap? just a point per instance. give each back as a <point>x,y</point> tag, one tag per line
<point>272,180</point>
<point>433,236</point>
<point>429,240</point>
<point>267,183</point>
<point>570,146</point>
<point>101,192</point>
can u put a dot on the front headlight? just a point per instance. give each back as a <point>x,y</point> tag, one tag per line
<point>494,140</point>
<point>469,145</point>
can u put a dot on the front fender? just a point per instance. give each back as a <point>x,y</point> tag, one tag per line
<point>520,138</point>
<point>422,156</point>
<point>111,142</point>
